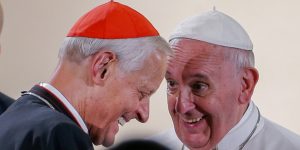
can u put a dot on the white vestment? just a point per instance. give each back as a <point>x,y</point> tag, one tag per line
<point>267,136</point>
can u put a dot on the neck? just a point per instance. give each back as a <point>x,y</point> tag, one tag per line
<point>67,79</point>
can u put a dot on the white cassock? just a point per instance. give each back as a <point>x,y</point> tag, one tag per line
<point>267,136</point>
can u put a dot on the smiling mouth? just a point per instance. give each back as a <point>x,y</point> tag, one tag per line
<point>121,121</point>
<point>193,120</point>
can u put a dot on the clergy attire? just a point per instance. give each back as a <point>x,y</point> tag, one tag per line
<point>253,131</point>
<point>5,101</point>
<point>263,134</point>
<point>43,119</point>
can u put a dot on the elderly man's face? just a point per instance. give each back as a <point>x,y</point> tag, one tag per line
<point>203,91</point>
<point>126,95</point>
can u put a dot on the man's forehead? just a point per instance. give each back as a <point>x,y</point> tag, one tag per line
<point>190,47</point>
<point>193,57</point>
<point>189,74</point>
<point>147,86</point>
<point>189,43</point>
<point>150,77</point>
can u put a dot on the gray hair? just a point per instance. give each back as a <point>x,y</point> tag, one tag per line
<point>130,52</point>
<point>243,58</point>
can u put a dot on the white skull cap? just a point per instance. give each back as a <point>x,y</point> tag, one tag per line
<point>216,28</point>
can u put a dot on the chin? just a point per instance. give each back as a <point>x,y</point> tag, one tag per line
<point>192,143</point>
<point>104,142</point>
<point>195,140</point>
<point>97,141</point>
<point>108,142</point>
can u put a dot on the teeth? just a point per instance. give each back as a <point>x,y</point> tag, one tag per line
<point>193,120</point>
<point>121,121</point>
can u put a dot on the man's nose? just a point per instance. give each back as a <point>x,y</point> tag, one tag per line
<point>143,112</point>
<point>184,102</point>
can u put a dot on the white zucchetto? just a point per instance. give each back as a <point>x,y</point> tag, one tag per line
<point>216,28</point>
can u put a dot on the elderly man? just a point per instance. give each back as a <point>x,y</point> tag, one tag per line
<point>5,100</point>
<point>211,78</point>
<point>110,64</point>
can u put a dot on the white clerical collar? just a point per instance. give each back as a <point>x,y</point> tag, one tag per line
<point>66,103</point>
<point>239,133</point>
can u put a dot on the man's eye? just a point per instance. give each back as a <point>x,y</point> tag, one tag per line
<point>171,83</point>
<point>171,86</point>
<point>199,88</point>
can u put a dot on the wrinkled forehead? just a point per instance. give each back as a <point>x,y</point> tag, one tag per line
<point>194,54</point>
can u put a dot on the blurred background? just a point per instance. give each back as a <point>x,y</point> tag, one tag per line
<point>34,30</point>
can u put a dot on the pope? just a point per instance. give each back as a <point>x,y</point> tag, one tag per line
<point>211,78</point>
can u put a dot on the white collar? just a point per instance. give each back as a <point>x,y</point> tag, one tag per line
<point>238,134</point>
<point>66,103</point>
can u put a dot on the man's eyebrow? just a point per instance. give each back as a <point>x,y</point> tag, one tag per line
<point>147,90</point>
<point>168,74</point>
<point>200,76</point>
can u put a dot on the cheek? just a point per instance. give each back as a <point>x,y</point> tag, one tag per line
<point>129,101</point>
<point>212,107</point>
<point>218,110</point>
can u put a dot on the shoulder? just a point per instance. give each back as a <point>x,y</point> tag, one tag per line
<point>67,136</point>
<point>30,113</point>
<point>63,133</point>
<point>282,132</point>
<point>57,131</point>
<point>37,125</point>
<point>47,122</point>
<point>274,136</point>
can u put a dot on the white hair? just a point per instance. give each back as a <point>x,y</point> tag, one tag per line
<point>130,52</point>
<point>243,58</point>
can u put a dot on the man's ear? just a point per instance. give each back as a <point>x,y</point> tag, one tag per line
<point>249,79</point>
<point>102,66</point>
